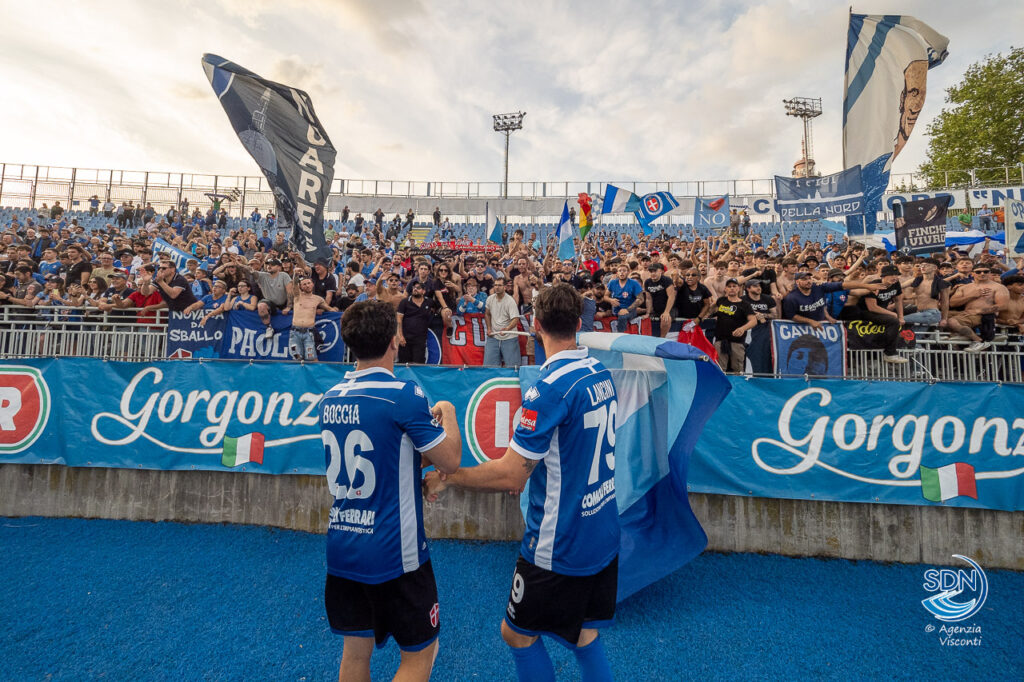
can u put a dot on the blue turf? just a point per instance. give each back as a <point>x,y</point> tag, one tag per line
<point>119,600</point>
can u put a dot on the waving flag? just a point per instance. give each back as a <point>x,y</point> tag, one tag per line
<point>711,211</point>
<point>586,214</point>
<point>278,127</point>
<point>827,196</point>
<point>566,247</point>
<point>887,62</point>
<point>493,226</point>
<point>617,200</point>
<point>666,393</point>
<point>1014,228</point>
<point>652,206</point>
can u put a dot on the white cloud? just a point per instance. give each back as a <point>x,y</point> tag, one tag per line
<point>614,91</point>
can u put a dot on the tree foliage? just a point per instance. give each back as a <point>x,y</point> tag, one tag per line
<point>984,127</point>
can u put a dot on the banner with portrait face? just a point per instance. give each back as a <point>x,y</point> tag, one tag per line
<point>800,349</point>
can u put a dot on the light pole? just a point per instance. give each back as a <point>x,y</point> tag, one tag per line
<point>506,123</point>
<point>804,108</point>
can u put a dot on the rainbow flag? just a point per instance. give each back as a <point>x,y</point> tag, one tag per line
<point>586,214</point>
<point>239,451</point>
<point>945,483</point>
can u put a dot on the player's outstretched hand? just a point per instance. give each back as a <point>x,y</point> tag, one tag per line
<point>433,485</point>
<point>441,410</point>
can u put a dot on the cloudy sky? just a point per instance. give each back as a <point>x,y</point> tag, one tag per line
<point>674,90</point>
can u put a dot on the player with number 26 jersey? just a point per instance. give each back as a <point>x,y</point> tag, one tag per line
<point>572,521</point>
<point>374,428</point>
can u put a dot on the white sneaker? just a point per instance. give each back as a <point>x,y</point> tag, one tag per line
<point>269,334</point>
<point>895,359</point>
<point>977,345</point>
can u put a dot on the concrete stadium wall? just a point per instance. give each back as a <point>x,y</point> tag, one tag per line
<point>880,532</point>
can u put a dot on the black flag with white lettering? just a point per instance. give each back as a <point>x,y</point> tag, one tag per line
<point>921,225</point>
<point>278,127</point>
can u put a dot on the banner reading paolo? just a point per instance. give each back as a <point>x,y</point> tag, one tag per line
<point>801,349</point>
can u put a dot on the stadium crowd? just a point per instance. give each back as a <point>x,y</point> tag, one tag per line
<point>728,285</point>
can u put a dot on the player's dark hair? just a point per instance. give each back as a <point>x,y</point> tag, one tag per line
<point>558,309</point>
<point>1015,279</point>
<point>367,328</point>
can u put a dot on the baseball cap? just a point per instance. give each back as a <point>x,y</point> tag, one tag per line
<point>657,265</point>
<point>801,275</point>
<point>752,282</point>
<point>731,280</point>
<point>119,273</point>
<point>836,272</point>
<point>890,270</point>
<point>273,261</point>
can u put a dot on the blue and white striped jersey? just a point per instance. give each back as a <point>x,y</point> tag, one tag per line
<point>568,424</point>
<point>374,428</point>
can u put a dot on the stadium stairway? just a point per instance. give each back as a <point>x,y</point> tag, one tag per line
<point>419,233</point>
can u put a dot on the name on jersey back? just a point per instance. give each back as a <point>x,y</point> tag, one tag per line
<point>341,414</point>
<point>601,391</point>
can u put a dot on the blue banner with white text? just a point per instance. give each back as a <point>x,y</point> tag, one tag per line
<point>241,335</point>
<point>855,441</point>
<point>828,196</point>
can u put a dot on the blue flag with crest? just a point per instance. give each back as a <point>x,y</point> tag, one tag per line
<point>652,206</point>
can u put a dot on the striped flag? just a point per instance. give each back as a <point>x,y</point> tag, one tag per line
<point>239,451</point>
<point>493,226</point>
<point>566,246</point>
<point>678,387</point>
<point>618,200</point>
<point>945,483</point>
<point>586,214</point>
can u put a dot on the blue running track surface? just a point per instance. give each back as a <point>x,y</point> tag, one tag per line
<point>118,600</point>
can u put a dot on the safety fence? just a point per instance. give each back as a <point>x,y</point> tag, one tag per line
<point>75,332</point>
<point>27,184</point>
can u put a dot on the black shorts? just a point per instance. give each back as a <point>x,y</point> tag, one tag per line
<point>543,602</point>
<point>404,608</point>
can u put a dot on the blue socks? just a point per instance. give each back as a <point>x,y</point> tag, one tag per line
<point>533,663</point>
<point>594,666</point>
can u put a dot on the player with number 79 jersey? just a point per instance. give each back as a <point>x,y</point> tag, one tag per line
<point>568,424</point>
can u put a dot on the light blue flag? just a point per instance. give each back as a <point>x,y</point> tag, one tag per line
<point>711,211</point>
<point>493,227</point>
<point>887,62</point>
<point>566,246</point>
<point>666,393</point>
<point>618,200</point>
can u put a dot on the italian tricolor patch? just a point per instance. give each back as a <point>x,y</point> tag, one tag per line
<point>945,483</point>
<point>239,451</point>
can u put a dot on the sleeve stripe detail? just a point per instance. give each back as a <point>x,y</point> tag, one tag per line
<point>528,454</point>
<point>433,444</point>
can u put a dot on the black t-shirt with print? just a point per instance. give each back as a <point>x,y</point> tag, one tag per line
<point>658,289</point>
<point>689,302</point>
<point>730,316</point>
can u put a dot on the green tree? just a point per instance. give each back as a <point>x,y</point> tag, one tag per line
<point>984,127</point>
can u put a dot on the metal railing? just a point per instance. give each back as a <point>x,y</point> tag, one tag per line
<point>26,184</point>
<point>57,331</point>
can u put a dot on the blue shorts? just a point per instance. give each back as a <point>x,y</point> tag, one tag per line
<point>302,343</point>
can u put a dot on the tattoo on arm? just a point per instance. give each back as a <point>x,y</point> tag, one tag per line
<point>529,464</point>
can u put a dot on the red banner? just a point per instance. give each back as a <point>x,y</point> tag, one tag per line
<point>464,343</point>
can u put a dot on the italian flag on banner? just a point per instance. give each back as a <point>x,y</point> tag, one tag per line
<point>239,451</point>
<point>945,483</point>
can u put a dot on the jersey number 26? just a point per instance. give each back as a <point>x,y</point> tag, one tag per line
<point>354,464</point>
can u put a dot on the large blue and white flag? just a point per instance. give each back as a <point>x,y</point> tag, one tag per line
<point>711,211</point>
<point>618,200</point>
<point>829,196</point>
<point>278,127</point>
<point>652,206</point>
<point>566,246</point>
<point>887,62</point>
<point>493,226</point>
<point>666,393</point>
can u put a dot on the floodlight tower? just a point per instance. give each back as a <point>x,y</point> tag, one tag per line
<point>805,108</point>
<point>506,123</point>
